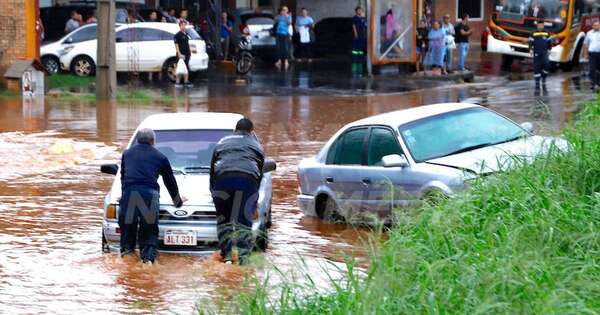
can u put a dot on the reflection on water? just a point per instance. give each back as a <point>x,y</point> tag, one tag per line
<point>51,194</point>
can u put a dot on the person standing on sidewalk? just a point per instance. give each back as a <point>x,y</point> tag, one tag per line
<point>448,29</point>
<point>436,48</point>
<point>184,52</point>
<point>304,26</point>
<point>139,205</point>
<point>421,44</point>
<point>226,29</point>
<point>236,170</point>
<point>462,31</point>
<point>282,37</point>
<point>592,51</point>
<point>539,46</point>
<point>359,32</point>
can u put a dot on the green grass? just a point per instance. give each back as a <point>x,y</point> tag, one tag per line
<point>143,96</point>
<point>61,83</point>
<point>67,81</point>
<point>524,242</point>
<point>10,94</point>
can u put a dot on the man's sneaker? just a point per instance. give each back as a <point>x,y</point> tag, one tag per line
<point>178,85</point>
<point>228,262</point>
<point>188,84</point>
<point>148,263</point>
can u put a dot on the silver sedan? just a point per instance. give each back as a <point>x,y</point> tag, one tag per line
<point>400,158</point>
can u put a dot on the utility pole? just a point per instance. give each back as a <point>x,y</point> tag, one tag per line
<point>106,75</point>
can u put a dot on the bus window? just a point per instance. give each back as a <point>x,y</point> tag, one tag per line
<point>523,14</point>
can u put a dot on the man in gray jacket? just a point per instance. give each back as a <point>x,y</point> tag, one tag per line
<point>235,176</point>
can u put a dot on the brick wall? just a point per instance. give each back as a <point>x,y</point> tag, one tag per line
<point>12,34</point>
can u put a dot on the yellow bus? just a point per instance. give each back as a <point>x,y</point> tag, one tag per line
<point>513,21</point>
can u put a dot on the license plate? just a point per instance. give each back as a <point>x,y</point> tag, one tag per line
<point>181,238</point>
<point>263,34</point>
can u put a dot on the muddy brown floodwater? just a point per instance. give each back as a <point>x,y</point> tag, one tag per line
<point>51,194</point>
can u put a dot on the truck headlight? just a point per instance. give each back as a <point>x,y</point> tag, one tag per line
<point>111,211</point>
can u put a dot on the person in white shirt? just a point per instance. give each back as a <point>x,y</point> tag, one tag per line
<point>591,49</point>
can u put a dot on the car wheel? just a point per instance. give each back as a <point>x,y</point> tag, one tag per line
<point>51,64</point>
<point>262,239</point>
<point>169,69</point>
<point>83,66</point>
<point>105,248</point>
<point>328,210</point>
<point>435,197</point>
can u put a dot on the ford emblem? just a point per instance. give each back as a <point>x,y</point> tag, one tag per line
<point>181,213</point>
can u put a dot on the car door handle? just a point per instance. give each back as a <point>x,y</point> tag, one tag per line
<point>366,181</point>
<point>329,179</point>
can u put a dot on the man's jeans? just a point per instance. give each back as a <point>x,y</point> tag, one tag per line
<point>448,58</point>
<point>235,200</point>
<point>594,63</point>
<point>463,51</point>
<point>139,205</point>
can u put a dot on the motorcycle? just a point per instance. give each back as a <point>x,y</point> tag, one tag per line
<point>243,59</point>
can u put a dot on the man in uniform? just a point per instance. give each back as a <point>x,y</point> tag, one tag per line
<point>540,44</point>
<point>140,166</point>
<point>236,171</point>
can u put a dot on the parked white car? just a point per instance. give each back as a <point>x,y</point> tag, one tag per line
<point>50,53</point>
<point>140,47</point>
<point>188,141</point>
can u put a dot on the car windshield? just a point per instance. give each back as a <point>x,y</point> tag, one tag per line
<point>191,32</point>
<point>456,132</point>
<point>523,14</point>
<point>189,151</point>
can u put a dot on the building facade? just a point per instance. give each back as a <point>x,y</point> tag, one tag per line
<point>13,35</point>
<point>478,10</point>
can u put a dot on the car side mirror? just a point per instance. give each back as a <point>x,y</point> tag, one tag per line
<point>394,160</point>
<point>528,127</point>
<point>111,169</point>
<point>69,40</point>
<point>119,40</point>
<point>269,166</point>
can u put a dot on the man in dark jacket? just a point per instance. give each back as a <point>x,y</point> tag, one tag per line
<point>235,176</point>
<point>140,166</point>
<point>540,44</point>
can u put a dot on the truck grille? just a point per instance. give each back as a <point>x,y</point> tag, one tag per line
<point>199,215</point>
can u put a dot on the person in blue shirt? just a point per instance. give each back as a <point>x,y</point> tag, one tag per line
<point>359,32</point>
<point>226,29</point>
<point>139,205</point>
<point>282,37</point>
<point>304,26</point>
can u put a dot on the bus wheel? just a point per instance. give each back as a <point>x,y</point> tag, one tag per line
<point>507,61</point>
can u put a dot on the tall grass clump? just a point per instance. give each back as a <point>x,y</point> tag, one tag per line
<point>522,242</point>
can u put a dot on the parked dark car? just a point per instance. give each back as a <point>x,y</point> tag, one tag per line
<point>333,37</point>
<point>258,25</point>
<point>55,18</point>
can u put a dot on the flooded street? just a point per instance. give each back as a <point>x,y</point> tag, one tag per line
<point>51,190</point>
